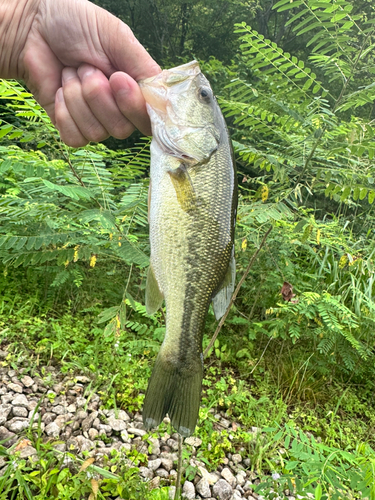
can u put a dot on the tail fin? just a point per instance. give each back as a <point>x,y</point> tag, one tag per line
<point>175,390</point>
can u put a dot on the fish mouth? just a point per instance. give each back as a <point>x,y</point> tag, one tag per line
<point>154,88</point>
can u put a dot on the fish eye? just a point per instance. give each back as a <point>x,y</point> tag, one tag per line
<point>204,94</point>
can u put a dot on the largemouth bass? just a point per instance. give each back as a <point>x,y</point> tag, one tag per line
<point>192,210</point>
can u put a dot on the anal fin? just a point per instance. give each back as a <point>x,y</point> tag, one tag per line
<point>154,297</point>
<point>221,300</point>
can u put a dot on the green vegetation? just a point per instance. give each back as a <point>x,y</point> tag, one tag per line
<point>74,253</point>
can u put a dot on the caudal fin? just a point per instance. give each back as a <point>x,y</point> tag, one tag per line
<point>175,390</point>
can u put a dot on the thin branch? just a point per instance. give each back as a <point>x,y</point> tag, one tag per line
<point>177,493</point>
<point>260,359</point>
<point>234,296</point>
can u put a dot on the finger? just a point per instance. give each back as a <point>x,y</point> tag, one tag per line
<point>79,110</point>
<point>69,131</point>
<point>98,94</point>
<point>42,74</point>
<point>130,101</point>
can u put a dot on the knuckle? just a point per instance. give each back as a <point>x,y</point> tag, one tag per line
<point>121,129</point>
<point>92,90</point>
<point>96,134</point>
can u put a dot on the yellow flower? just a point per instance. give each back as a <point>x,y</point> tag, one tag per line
<point>318,237</point>
<point>93,261</point>
<point>264,193</point>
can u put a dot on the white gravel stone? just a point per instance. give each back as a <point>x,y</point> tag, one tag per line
<point>93,433</point>
<point>117,424</point>
<point>154,464</point>
<point>81,415</point>
<point>20,400</point>
<point>146,473</point>
<point>32,405</point>
<point>59,409</point>
<point>15,388</point>
<point>167,463</point>
<point>120,415</point>
<point>224,423</point>
<point>154,483</point>
<point>52,429</point>
<point>171,492</point>
<point>18,424</point>
<point>19,411</point>
<point>7,436</point>
<point>81,402</point>
<point>236,457</point>
<point>7,398</point>
<point>27,451</point>
<point>87,422</point>
<point>162,473</point>
<point>241,478</point>
<point>222,490</point>
<point>71,408</point>
<point>155,446</point>
<point>188,490</point>
<point>136,432</point>
<point>27,381</point>
<point>61,420</point>
<point>248,485</point>
<point>211,478</point>
<point>226,473</point>
<point>105,429</point>
<point>4,412</point>
<point>203,488</point>
<point>193,441</point>
<point>34,415</point>
<point>125,436</point>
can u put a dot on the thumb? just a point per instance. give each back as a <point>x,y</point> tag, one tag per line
<point>122,48</point>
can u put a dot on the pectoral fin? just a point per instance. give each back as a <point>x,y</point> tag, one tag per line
<point>221,300</point>
<point>154,296</point>
<point>184,187</point>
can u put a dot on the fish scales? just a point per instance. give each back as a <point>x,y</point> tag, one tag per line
<point>192,206</point>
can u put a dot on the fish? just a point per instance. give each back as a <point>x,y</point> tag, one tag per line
<point>192,211</point>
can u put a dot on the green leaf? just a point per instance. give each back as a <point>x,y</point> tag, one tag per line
<point>108,314</point>
<point>5,129</point>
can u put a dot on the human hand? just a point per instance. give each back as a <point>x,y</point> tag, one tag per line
<point>81,63</point>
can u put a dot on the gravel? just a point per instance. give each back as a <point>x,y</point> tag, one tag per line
<point>60,406</point>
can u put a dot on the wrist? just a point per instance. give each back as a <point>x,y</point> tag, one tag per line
<point>16,18</point>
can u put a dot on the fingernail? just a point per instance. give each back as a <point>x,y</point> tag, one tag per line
<point>68,74</point>
<point>85,71</point>
<point>60,95</point>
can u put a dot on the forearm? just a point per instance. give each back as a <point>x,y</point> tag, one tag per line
<point>16,18</point>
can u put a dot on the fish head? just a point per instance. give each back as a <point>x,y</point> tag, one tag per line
<point>185,117</point>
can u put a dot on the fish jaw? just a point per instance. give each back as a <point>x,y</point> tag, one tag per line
<point>155,88</point>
